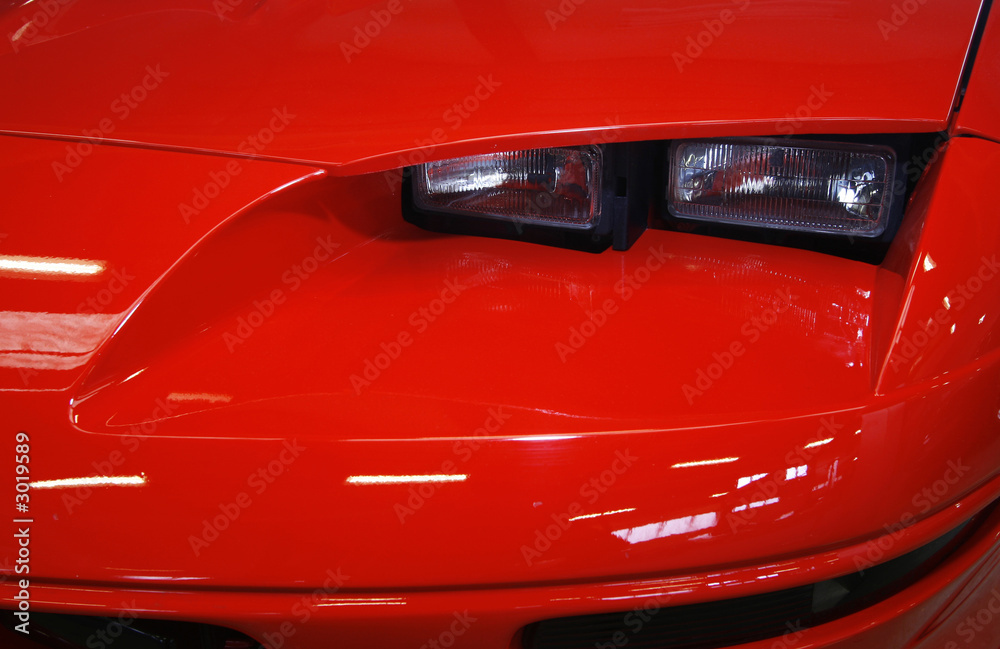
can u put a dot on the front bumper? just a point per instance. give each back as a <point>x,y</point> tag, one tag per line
<point>955,605</point>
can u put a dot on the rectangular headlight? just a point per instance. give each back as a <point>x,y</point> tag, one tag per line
<point>558,186</point>
<point>579,197</point>
<point>784,184</point>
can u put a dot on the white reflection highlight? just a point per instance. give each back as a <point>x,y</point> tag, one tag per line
<point>364,601</point>
<point>51,341</point>
<point>19,33</point>
<point>755,504</point>
<point>929,264</point>
<point>93,481</point>
<point>793,472</point>
<point>407,479</point>
<point>616,511</point>
<point>721,460</point>
<point>742,482</point>
<point>673,527</point>
<point>820,442</point>
<point>50,265</point>
<point>178,397</point>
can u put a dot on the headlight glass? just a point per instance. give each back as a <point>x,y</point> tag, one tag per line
<point>557,186</point>
<point>790,185</point>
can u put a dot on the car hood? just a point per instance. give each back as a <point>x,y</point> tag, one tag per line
<point>365,86</point>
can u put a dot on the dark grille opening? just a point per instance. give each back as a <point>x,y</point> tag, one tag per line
<point>118,632</point>
<point>746,619</point>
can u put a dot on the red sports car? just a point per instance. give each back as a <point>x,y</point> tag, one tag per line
<point>533,324</point>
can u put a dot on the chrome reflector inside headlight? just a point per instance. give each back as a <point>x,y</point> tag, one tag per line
<point>558,186</point>
<point>783,184</point>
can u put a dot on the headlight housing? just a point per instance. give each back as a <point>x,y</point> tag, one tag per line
<point>840,197</point>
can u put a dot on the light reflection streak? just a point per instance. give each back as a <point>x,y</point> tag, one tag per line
<point>199,396</point>
<point>406,479</point>
<point>673,527</point>
<point>93,481</point>
<point>50,265</point>
<point>721,460</point>
<point>616,511</point>
<point>742,482</point>
<point>755,504</point>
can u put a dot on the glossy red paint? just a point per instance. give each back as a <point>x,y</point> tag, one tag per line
<point>170,394</point>
<point>211,76</point>
<point>948,313</point>
<point>928,615</point>
<point>980,113</point>
<point>96,211</point>
<point>330,412</point>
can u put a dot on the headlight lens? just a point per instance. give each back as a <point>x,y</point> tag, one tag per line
<point>790,185</point>
<point>558,186</point>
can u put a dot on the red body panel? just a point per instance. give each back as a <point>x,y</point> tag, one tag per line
<point>616,409</point>
<point>211,76</point>
<point>932,614</point>
<point>980,114</point>
<point>98,212</point>
<point>341,426</point>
